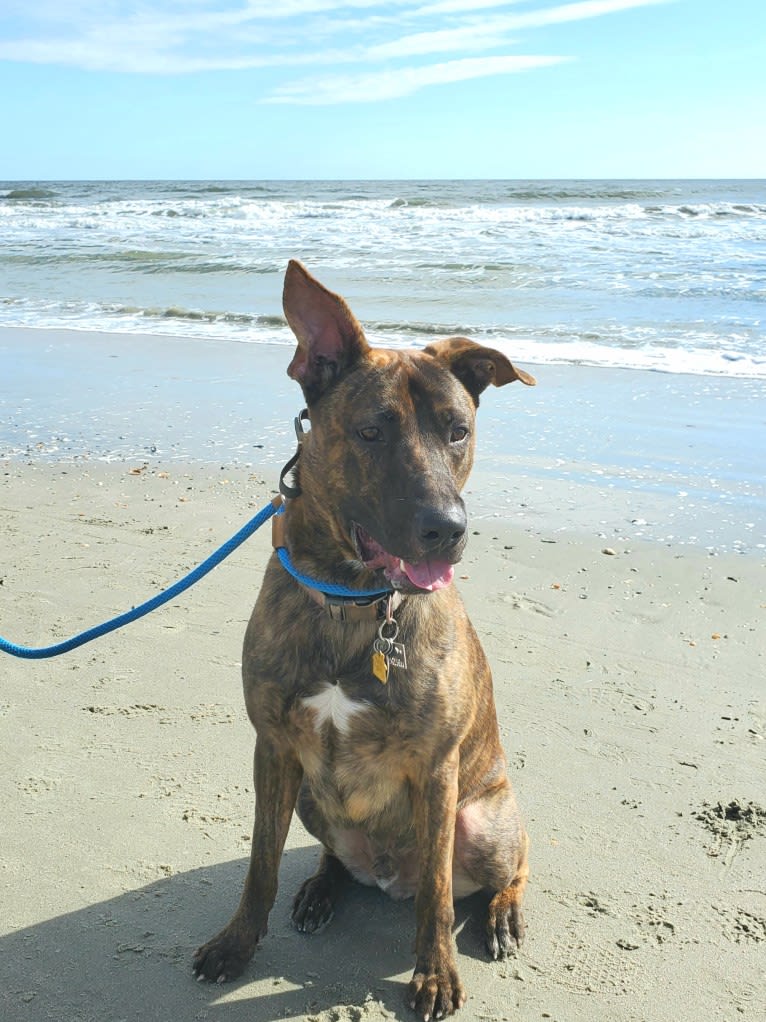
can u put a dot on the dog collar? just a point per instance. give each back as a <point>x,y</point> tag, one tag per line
<point>340,603</point>
<point>346,608</point>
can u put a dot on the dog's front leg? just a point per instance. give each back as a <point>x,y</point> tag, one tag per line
<point>278,776</point>
<point>435,989</point>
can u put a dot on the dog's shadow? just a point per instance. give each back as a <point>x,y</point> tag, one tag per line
<point>130,957</point>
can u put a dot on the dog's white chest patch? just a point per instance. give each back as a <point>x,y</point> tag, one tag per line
<point>332,704</point>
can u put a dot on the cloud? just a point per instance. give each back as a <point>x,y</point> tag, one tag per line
<point>402,44</point>
<point>543,15</point>
<point>489,32</point>
<point>475,36</point>
<point>394,83</point>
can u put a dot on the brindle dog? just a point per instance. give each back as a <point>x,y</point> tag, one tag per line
<point>398,771</point>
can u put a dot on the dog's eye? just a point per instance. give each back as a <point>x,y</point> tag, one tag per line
<point>458,434</point>
<point>370,434</point>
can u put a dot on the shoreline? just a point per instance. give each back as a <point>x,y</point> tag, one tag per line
<point>622,454</point>
<point>629,689</point>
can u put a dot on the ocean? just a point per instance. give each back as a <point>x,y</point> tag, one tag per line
<point>662,275</point>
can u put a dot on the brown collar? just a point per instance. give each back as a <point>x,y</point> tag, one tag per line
<point>344,608</point>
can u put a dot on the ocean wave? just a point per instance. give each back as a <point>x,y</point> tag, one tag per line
<point>238,213</point>
<point>654,357</point>
<point>421,203</point>
<point>634,211</point>
<point>497,260</point>
<point>588,192</point>
<point>717,209</point>
<point>704,353</point>
<point>411,330</point>
<point>199,316</point>
<point>20,194</point>
<point>141,260</point>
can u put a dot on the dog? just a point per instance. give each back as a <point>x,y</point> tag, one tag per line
<point>374,716</point>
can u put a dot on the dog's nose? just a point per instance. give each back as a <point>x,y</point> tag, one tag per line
<point>441,528</point>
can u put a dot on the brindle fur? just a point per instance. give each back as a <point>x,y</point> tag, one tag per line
<point>411,791</point>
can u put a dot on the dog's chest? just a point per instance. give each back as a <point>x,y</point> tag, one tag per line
<point>332,706</point>
<point>351,755</point>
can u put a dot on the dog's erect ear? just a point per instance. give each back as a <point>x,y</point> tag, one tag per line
<point>330,340</point>
<point>475,366</point>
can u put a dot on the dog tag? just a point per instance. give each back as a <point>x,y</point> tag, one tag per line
<point>380,650</point>
<point>380,666</point>
<point>397,656</point>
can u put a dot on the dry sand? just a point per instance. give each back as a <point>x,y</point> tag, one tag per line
<point>630,688</point>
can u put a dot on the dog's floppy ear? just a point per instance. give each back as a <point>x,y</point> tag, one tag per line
<point>330,340</point>
<point>476,366</point>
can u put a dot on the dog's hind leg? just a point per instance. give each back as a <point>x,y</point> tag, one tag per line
<point>505,920</point>
<point>491,849</point>
<point>314,904</point>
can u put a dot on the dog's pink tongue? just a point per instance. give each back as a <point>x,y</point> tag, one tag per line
<point>430,575</point>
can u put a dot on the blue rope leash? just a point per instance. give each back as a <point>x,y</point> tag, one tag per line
<point>42,653</point>
<point>45,652</point>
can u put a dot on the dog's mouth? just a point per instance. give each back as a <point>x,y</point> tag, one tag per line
<point>428,575</point>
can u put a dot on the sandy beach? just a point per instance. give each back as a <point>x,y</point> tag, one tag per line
<point>621,598</point>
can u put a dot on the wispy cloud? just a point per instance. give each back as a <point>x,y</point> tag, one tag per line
<point>472,36</point>
<point>396,82</point>
<point>402,45</point>
<point>542,15</point>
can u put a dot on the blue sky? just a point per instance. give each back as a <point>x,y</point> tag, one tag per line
<point>355,89</point>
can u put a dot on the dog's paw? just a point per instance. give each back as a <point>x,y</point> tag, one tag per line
<point>434,995</point>
<point>505,925</point>
<point>222,958</point>
<point>313,905</point>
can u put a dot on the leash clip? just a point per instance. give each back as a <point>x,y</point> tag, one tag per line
<point>300,418</point>
<point>291,492</point>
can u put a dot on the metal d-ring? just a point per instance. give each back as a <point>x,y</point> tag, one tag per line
<point>386,624</point>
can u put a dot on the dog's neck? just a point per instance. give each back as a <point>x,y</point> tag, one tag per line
<point>340,603</point>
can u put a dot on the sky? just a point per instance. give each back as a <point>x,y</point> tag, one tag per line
<point>352,89</point>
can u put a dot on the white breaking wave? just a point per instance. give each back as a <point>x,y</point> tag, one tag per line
<point>661,275</point>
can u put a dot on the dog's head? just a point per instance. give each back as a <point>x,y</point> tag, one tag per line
<point>392,436</point>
